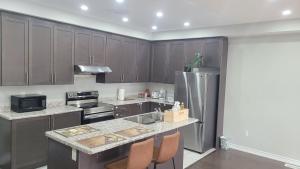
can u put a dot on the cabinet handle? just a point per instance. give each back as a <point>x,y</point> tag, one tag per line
<point>54,78</point>
<point>90,60</point>
<point>27,77</point>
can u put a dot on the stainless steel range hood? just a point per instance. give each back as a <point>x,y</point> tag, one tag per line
<point>94,70</point>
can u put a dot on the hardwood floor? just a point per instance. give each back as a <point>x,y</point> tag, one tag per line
<point>233,159</point>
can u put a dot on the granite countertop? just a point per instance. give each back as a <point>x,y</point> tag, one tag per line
<point>52,110</point>
<point>113,126</point>
<point>133,100</point>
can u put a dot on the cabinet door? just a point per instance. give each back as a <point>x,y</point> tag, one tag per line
<point>127,110</point>
<point>65,120</point>
<point>98,49</point>
<point>40,52</point>
<point>82,47</point>
<point>29,143</point>
<point>191,47</point>
<point>176,60</point>
<point>159,62</point>
<point>63,55</point>
<point>128,60</point>
<point>143,61</point>
<point>146,107</point>
<point>212,52</point>
<point>14,50</point>
<point>113,59</point>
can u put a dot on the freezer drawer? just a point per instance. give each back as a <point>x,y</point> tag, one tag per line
<point>197,139</point>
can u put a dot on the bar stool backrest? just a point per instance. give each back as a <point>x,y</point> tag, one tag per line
<point>168,148</point>
<point>140,155</point>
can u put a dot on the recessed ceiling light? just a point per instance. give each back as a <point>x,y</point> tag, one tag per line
<point>84,7</point>
<point>186,24</point>
<point>125,19</point>
<point>159,14</point>
<point>154,27</point>
<point>286,12</point>
<point>120,1</point>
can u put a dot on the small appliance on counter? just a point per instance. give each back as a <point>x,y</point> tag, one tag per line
<point>28,103</point>
<point>162,94</point>
<point>121,94</point>
<point>155,95</point>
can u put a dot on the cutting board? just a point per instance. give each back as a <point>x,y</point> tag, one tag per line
<point>133,132</point>
<point>100,140</point>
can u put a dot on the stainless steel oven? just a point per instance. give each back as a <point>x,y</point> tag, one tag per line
<point>93,110</point>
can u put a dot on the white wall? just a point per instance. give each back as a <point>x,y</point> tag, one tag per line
<point>56,93</point>
<point>262,94</point>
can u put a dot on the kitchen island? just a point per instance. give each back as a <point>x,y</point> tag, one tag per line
<point>93,146</point>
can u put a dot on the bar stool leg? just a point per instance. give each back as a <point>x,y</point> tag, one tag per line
<point>173,163</point>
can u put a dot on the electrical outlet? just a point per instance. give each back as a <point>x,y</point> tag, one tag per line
<point>247,133</point>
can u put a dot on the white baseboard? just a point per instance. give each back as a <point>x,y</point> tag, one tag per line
<point>289,162</point>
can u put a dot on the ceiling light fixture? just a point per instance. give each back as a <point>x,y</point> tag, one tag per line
<point>125,19</point>
<point>154,27</point>
<point>120,1</point>
<point>84,7</point>
<point>159,14</point>
<point>186,24</point>
<point>286,12</point>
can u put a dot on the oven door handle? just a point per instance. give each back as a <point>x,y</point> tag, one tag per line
<point>100,115</point>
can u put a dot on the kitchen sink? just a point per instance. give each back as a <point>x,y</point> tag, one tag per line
<point>146,119</point>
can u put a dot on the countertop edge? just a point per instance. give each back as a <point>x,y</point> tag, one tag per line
<point>128,140</point>
<point>9,115</point>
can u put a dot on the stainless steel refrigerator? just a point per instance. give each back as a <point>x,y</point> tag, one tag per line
<point>199,92</point>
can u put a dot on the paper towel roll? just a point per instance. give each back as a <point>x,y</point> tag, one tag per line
<point>121,94</point>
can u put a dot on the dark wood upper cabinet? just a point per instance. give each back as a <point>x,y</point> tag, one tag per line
<point>1,51</point>
<point>90,47</point>
<point>113,59</point>
<point>212,52</point>
<point>14,50</point>
<point>176,60</point>
<point>40,52</point>
<point>191,47</point>
<point>98,48</point>
<point>82,47</point>
<point>63,55</point>
<point>128,58</point>
<point>159,63</point>
<point>143,61</point>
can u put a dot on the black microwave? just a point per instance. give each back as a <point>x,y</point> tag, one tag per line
<point>28,103</point>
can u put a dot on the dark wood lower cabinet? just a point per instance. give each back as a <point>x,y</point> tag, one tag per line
<point>65,120</point>
<point>29,143</point>
<point>5,144</point>
<point>139,108</point>
<point>23,144</point>
<point>60,156</point>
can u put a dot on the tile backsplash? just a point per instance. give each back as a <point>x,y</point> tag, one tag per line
<point>56,93</point>
<point>157,86</point>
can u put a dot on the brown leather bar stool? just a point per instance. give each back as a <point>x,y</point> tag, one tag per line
<point>167,150</point>
<point>140,156</point>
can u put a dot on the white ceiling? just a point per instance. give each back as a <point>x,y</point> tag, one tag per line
<point>200,13</point>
